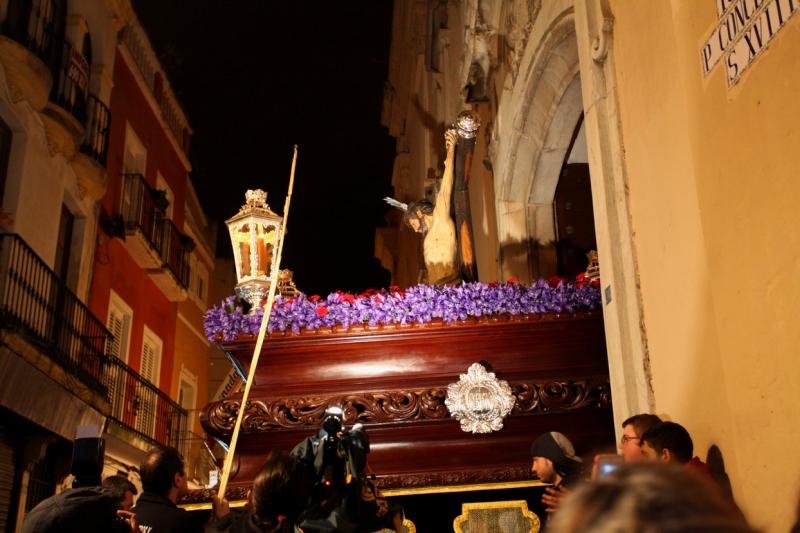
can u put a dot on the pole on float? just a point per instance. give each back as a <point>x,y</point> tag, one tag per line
<point>226,469</point>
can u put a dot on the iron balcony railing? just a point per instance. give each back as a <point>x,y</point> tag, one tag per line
<point>143,208</point>
<point>71,82</point>
<point>141,407</point>
<point>33,25</point>
<point>35,303</point>
<point>38,305</point>
<point>98,124</point>
<point>199,458</point>
<point>174,252</point>
<point>139,209</point>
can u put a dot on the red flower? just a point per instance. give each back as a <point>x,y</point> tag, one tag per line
<point>554,281</point>
<point>322,311</point>
<point>394,288</point>
<point>314,298</point>
<point>596,282</point>
<point>513,280</point>
<point>349,298</point>
<point>493,284</point>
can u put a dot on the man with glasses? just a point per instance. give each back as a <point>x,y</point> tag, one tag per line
<point>633,428</point>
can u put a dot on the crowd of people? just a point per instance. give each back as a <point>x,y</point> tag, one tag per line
<point>655,483</point>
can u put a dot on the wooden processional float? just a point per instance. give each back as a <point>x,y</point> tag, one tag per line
<point>434,418</point>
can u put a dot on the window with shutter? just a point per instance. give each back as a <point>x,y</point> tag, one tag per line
<point>151,357</point>
<point>120,318</point>
<point>146,411</point>
<point>115,321</point>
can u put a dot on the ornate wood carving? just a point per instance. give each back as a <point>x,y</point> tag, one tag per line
<point>555,396</point>
<point>397,481</point>
<point>397,406</point>
<point>459,477</point>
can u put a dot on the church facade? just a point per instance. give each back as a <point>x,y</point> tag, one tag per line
<point>678,120</point>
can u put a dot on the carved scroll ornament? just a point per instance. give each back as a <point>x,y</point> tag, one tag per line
<point>264,415</point>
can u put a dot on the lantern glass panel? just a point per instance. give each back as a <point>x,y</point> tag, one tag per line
<point>243,247</point>
<point>265,240</point>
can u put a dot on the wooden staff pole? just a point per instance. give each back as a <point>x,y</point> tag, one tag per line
<point>226,469</point>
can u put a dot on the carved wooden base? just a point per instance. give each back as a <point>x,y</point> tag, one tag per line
<point>395,383</point>
<point>264,415</point>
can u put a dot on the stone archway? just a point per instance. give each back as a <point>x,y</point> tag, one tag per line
<point>568,67</point>
<point>544,106</point>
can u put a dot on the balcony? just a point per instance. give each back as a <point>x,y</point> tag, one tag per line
<point>154,242</point>
<point>53,324</point>
<point>143,414</point>
<point>89,163</point>
<point>26,45</point>
<point>65,114</point>
<point>37,306</point>
<point>143,239</point>
<point>173,277</point>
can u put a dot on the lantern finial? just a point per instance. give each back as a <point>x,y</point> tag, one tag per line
<point>256,198</point>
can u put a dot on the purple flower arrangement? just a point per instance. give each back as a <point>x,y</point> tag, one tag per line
<point>419,304</point>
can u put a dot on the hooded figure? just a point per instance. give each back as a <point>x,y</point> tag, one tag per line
<point>554,460</point>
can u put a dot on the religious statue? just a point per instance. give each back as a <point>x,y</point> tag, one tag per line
<point>436,225</point>
<point>467,124</point>
<point>447,246</point>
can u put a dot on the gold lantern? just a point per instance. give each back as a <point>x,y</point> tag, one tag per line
<point>255,233</point>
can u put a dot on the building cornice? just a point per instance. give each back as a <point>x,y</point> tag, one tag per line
<point>151,100</point>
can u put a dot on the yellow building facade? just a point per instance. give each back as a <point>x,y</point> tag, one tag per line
<point>686,113</point>
<point>190,376</point>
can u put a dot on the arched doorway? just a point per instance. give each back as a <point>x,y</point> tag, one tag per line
<point>566,72</point>
<point>547,107</point>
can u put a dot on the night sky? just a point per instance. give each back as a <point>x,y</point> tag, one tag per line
<point>256,77</point>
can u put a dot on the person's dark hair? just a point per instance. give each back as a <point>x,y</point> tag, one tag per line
<point>420,205</point>
<point>673,437</point>
<point>159,468</point>
<point>648,497</point>
<point>118,485</point>
<point>642,423</point>
<point>279,492</point>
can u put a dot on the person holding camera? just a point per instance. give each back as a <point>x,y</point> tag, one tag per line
<point>343,499</point>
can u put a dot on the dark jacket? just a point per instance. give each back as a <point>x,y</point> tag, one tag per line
<point>243,521</point>
<point>88,509</point>
<point>157,514</point>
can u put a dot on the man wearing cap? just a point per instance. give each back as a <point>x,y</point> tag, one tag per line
<point>554,461</point>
